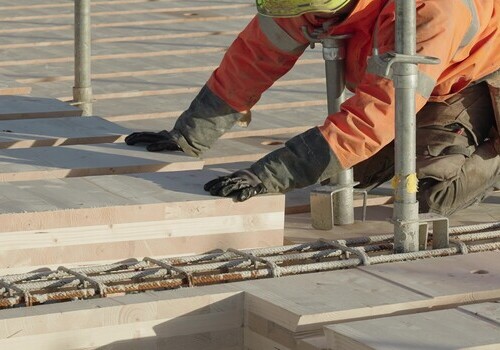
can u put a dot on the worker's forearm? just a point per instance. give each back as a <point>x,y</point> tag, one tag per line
<point>303,161</point>
<point>260,55</point>
<point>207,118</point>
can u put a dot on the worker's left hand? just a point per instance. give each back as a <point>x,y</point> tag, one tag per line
<point>241,185</point>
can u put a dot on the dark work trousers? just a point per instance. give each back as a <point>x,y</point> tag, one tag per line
<point>457,163</point>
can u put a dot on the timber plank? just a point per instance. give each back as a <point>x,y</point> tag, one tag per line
<point>24,107</point>
<point>446,330</point>
<point>59,132</point>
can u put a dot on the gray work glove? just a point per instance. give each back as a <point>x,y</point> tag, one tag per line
<point>305,160</point>
<point>157,141</point>
<point>242,185</point>
<point>207,118</point>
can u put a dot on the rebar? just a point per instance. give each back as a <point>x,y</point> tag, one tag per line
<point>66,284</point>
<point>475,227</point>
<point>468,237</point>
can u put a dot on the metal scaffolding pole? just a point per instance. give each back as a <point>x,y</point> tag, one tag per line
<point>401,67</point>
<point>334,56</point>
<point>405,77</point>
<point>82,91</point>
<point>333,205</point>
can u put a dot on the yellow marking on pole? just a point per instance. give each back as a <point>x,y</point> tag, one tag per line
<point>412,183</point>
<point>395,181</point>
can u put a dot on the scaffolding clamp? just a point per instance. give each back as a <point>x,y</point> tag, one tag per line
<point>381,65</point>
<point>323,204</point>
<point>440,230</point>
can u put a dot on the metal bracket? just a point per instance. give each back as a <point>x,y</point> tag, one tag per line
<point>322,204</point>
<point>381,65</point>
<point>440,230</point>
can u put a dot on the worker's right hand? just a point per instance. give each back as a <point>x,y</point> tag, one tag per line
<point>157,141</point>
<point>241,185</point>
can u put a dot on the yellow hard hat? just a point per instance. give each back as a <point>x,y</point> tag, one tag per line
<point>292,8</point>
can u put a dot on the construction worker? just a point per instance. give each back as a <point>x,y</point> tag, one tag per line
<point>458,152</point>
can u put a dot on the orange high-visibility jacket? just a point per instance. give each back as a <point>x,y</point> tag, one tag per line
<point>463,34</point>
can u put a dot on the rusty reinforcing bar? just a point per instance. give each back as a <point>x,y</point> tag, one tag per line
<point>132,276</point>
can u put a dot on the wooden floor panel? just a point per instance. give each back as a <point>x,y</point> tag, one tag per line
<point>447,330</point>
<point>14,107</point>
<point>62,131</point>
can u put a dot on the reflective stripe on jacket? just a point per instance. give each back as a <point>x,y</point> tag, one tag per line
<point>463,34</point>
